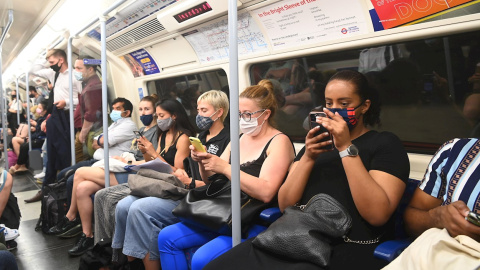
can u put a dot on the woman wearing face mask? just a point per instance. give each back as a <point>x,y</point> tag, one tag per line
<point>138,220</point>
<point>38,137</point>
<point>265,156</point>
<point>366,173</point>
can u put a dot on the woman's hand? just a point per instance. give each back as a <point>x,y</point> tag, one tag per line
<point>145,146</point>
<point>197,156</point>
<point>182,175</point>
<point>338,128</point>
<point>213,163</point>
<point>314,144</point>
<point>120,158</point>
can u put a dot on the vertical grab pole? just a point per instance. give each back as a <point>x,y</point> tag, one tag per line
<point>70,86</point>
<point>18,102</point>
<point>103,41</point>
<point>2,93</point>
<point>4,115</point>
<point>234,139</point>
<point>27,86</point>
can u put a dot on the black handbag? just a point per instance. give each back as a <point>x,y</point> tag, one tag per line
<point>304,233</point>
<point>210,207</point>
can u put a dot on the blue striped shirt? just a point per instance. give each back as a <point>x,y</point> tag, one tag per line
<point>454,173</point>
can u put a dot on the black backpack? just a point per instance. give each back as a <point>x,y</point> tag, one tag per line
<point>11,214</point>
<point>54,204</point>
<point>101,256</point>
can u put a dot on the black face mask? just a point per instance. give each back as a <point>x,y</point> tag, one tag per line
<point>31,95</point>
<point>14,96</point>
<point>56,67</point>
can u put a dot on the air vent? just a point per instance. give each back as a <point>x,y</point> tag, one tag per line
<point>138,33</point>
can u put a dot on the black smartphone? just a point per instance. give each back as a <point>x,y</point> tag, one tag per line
<point>313,123</point>
<point>138,134</point>
<point>473,218</point>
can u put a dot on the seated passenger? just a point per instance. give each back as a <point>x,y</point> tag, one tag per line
<point>106,199</point>
<point>38,137</point>
<point>265,157</point>
<point>366,173</point>
<point>212,110</point>
<point>447,193</point>
<point>138,220</point>
<point>120,135</point>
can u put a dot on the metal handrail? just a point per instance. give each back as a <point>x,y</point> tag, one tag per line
<point>2,91</point>
<point>234,139</point>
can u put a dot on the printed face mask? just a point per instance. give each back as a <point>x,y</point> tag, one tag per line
<point>164,124</point>
<point>203,122</point>
<point>251,128</point>
<point>115,115</point>
<point>146,119</point>
<point>78,75</point>
<point>348,115</point>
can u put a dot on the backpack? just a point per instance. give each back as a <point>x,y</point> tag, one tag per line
<point>100,257</point>
<point>54,204</point>
<point>11,214</point>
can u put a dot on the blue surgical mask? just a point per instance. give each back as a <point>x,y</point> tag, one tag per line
<point>164,124</point>
<point>348,115</point>
<point>115,115</point>
<point>205,123</point>
<point>146,119</point>
<point>78,75</point>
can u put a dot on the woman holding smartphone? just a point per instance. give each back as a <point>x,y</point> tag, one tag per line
<point>366,173</point>
<point>139,220</point>
<point>265,156</point>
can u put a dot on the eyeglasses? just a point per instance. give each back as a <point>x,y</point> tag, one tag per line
<point>248,116</point>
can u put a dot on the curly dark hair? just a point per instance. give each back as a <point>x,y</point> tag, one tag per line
<point>365,91</point>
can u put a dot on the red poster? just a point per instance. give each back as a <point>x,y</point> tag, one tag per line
<point>397,12</point>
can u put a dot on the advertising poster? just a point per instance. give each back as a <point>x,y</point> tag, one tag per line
<point>300,22</point>
<point>393,13</point>
<point>140,63</point>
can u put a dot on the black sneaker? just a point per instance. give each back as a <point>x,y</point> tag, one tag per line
<point>72,232</point>
<point>63,226</point>
<point>11,245</point>
<point>83,245</point>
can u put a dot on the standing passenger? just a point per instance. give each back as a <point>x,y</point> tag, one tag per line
<point>58,128</point>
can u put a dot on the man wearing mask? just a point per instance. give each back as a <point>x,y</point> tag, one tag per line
<point>58,126</point>
<point>33,94</point>
<point>88,112</point>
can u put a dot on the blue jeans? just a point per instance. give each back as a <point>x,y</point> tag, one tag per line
<point>138,221</point>
<point>176,240</point>
<point>7,260</point>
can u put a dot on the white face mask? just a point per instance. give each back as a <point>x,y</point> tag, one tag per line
<point>251,128</point>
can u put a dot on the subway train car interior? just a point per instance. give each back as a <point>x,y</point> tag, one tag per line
<point>69,70</point>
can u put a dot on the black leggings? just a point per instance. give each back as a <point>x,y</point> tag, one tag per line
<point>23,155</point>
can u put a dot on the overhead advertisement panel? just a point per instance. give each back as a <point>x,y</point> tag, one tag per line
<point>302,22</point>
<point>393,13</point>
<point>210,42</point>
<point>140,63</point>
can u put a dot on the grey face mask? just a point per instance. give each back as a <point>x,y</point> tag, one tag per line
<point>164,124</point>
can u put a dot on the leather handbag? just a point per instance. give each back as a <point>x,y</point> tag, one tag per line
<point>210,207</point>
<point>150,183</point>
<point>305,233</point>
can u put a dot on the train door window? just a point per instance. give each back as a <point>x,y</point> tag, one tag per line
<point>187,88</point>
<point>429,88</point>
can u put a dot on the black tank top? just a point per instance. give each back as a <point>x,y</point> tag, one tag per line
<point>169,154</point>
<point>253,167</point>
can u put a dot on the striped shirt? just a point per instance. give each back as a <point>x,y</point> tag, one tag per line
<point>454,173</point>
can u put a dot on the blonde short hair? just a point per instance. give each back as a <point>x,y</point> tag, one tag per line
<point>217,99</point>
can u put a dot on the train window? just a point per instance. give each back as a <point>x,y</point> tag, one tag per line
<point>187,88</point>
<point>428,87</point>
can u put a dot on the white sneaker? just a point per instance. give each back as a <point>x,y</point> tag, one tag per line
<point>10,234</point>
<point>39,175</point>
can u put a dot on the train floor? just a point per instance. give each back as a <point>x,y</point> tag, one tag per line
<point>35,250</point>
